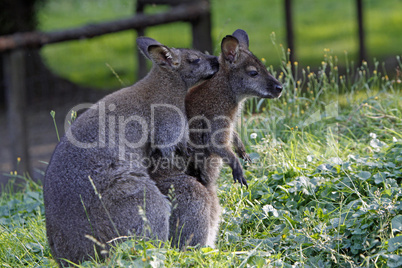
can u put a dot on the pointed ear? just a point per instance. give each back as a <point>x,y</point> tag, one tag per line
<point>144,42</point>
<point>242,36</point>
<point>163,56</point>
<point>230,48</point>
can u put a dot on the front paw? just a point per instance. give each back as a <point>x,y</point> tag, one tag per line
<point>243,155</point>
<point>246,157</point>
<point>238,176</point>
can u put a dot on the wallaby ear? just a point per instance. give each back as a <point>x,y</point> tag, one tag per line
<point>144,42</point>
<point>242,36</point>
<point>163,56</point>
<point>230,48</point>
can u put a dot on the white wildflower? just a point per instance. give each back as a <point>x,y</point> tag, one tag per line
<point>253,135</point>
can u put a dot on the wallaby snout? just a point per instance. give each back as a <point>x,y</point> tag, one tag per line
<point>195,66</point>
<point>191,65</point>
<point>274,88</point>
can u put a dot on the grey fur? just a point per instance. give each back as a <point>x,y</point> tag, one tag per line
<point>98,190</point>
<point>196,210</point>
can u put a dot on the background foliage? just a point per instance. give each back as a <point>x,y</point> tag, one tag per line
<point>318,25</point>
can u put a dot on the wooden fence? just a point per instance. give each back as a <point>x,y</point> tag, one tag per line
<point>290,34</point>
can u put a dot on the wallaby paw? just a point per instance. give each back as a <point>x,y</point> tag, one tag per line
<point>238,176</point>
<point>246,158</point>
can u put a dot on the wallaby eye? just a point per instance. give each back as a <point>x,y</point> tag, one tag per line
<point>194,61</point>
<point>252,73</point>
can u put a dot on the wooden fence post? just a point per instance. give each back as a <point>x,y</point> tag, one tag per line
<point>201,31</point>
<point>289,29</point>
<point>142,61</point>
<point>14,70</point>
<point>362,45</point>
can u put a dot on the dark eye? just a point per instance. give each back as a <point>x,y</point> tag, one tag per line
<point>194,61</point>
<point>252,73</point>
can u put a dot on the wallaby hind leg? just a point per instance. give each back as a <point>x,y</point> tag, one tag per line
<point>111,214</point>
<point>135,206</point>
<point>68,241</point>
<point>215,214</point>
<point>192,205</point>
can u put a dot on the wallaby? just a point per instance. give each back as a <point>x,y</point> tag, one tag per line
<point>212,108</point>
<point>96,183</point>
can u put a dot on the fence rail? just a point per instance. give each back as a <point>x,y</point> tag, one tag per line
<point>184,12</point>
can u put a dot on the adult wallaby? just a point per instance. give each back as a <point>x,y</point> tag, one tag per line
<point>212,108</point>
<point>96,183</point>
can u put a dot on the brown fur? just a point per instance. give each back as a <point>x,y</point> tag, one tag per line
<point>218,101</point>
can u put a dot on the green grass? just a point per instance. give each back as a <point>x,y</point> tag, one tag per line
<point>22,227</point>
<point>318,25</point>
<point>325,185</point>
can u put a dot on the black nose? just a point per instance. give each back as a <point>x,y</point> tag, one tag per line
<point>279,88</point>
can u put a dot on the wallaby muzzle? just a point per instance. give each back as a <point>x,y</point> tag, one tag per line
<point>274,89</point>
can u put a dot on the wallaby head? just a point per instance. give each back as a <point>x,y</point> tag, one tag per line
<point>246,73</point>
<point>191,65</point>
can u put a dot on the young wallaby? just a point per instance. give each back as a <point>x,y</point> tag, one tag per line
<point>96,183</point>
<point>212,108</point>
